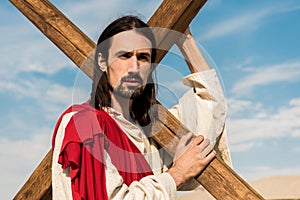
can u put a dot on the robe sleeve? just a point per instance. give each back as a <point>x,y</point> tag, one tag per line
<point>203,110</point>
<point>159,186</point>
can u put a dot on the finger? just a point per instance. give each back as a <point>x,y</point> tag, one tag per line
<point>184,140</point>
<point>188,138</point>
<point>210,156</point>
<point>206,151</point>
<point>197,140</point>
<point>204,144</point>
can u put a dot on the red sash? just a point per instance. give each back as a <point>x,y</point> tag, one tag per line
<point>88,133</point>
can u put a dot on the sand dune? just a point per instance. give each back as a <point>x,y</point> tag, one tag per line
<point>277,187</point>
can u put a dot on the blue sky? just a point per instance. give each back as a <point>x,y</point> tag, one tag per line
<point>254,44</point>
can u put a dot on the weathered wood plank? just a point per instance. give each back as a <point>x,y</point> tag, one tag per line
<point>77,47</point>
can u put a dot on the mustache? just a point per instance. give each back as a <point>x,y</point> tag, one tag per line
<point>132,77</point>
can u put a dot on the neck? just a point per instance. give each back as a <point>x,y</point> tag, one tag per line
<point>122,105</point>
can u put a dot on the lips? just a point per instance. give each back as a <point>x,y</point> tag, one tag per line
<point>132,81</point>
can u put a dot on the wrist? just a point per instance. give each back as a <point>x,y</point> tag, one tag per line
<point>179,179</point>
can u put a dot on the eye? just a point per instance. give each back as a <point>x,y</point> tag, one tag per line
<point>144,57</point>
<point>125,55</point>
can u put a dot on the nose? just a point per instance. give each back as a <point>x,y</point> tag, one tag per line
<point>133,65</point>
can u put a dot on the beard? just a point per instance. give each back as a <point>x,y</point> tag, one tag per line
<point>126,91</point>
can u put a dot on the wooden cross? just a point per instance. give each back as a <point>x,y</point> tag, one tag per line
<point>218,178</point>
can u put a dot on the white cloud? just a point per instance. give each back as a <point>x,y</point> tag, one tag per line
<point>264,75</point>
<point>20,158</point>
<point>28,51</point>
<point>237,106</point>
<point>244,22</point>
<point>296,149</point>
<point>295,102</point>
<point>256,124</point>
<point>38,104</point>
<point>36,88</point>
<point>242,147</point>
<point>225,28</point>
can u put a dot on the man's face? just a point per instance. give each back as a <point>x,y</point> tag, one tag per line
<point>129,62</point>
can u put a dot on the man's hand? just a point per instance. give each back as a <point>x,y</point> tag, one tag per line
<point>191,157</point>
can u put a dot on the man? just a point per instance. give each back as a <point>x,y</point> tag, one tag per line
<point>100,150</point>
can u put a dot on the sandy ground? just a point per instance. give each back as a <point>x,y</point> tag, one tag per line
<point>277,187</point>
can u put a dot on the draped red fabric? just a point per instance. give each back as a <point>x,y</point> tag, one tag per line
<point>88,133</point>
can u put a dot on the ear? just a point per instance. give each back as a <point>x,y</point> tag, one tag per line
<point>102,62</point>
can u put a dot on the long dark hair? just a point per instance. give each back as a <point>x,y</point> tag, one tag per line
<point>100,96</point>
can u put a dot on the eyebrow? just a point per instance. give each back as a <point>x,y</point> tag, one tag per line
<point>121,52</point>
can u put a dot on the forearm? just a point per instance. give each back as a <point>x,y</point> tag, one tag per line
<point>193,55</point>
